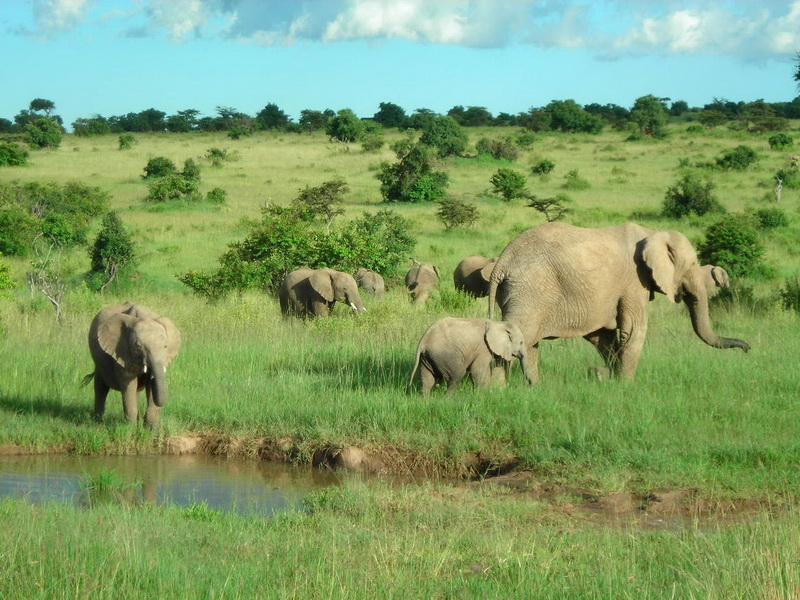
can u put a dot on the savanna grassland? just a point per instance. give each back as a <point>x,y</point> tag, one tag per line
<point>719,428</point>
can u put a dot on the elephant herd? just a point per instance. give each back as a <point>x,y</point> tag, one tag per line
<point>551,281</point>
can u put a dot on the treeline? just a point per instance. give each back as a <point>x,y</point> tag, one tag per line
<point>558,115</point>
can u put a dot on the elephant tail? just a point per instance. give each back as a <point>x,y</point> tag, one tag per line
<point>494,281</point>
<point>85,381</point>
<point>410,383</point>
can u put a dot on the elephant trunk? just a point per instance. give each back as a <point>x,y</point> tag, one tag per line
<point>158,382</point>
<point>697,302</point>
<point>523,363</point>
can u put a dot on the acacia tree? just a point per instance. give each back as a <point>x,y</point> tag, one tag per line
<point>650,116</point>
<point>345,127</point>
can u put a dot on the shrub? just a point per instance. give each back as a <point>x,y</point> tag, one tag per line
<point>372,142</point>
<point>790,294</point>
<point>159,166</point>
<point>127,141</point>
<point>455,213</point>
<point>737,159</point>
<point>499,149</point>
<point>733,244</point>
<point>690,195</point>
<point>345,127</point>
<point>12,155</point>
<point>650,116</point>
<point>7,283</point>
<point>323,201</point>
<point>444,134</point>
<point>216,156</point>
<point>574,181</point>
<point>508,184</point>
<point>543,167</point>
<point>771,218</point>
<point>216,196</point>
<point>113,252</point>
<point>191,170</point>
<point>412,178</point>
<point>780,141</point>
<point>171,187</point>
<point>553,209</point>
<point>43,133</point>
<point>525,139</point>
<point>790,177</point>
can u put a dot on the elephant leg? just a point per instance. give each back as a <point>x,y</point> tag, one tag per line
<point>427,378</point>
<point>631,342</point>
<point>530,364</point>
<point>606,341</point>
<point>152,415</point>
<point>100,395</point>
<point>480,371</point>
<point>130,401</point>
<point>453,384</point>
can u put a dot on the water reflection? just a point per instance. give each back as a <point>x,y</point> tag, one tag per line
<point>244,486</point>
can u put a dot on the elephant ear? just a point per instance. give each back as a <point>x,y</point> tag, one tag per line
<point>498,339</point>
<point>659,254</point>
<point>486,271</point>
<point>720,277</point>
<point>112,335</point>
<point>321,283</point>
<point>173,338</point>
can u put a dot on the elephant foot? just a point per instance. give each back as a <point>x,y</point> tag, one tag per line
<point>599,373</point>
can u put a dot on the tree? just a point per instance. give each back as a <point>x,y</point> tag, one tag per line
<point>678,107</point>
<point>509,184</point>
<point>113,251</point>
<point>650,116</point>
<point>323,201</point>
<point>421,118</point>
<point>732,243</point>
<point>345,127</point>
<point>455,213</point>
<point>690,195</point>
<point>553,209</point>
<point>272,117</point>
<point>413,177</point>
<point>444,134</point>
<point>42,105</point>
<point>476,116</point>
<point>390,115</point>
<point>312,120</point>
<point>43,132</point>
<point>96,125</point>
<point>569,116</point>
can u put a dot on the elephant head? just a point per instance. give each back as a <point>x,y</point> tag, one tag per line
<point>420,280</point>
<point>675,272</point>
<point>715,278</point>
<point>142,344</point>
<point>505,341</point>
<point>336,286</point>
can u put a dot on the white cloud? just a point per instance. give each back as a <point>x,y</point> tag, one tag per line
<point>784,37</point>
<point>53,16</point>
<point>179,18</point>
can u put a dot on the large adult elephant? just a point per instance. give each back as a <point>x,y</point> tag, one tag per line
<point>132,346</point>
<point>472,275</point>
<point>557,280</point>
<point>421,280</point>
<point>313,292</point>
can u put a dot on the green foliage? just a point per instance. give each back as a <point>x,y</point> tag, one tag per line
<point>89,127</point>
<point>127,141</point>
<point>737,159</point>
<point>113,253</point>
<point>502,149</point>
<point>650,116</point>
<point>690,195</point>
<point>345,127</point>
<point>455,213</point>
<point>217,156</point>
<point>390,115</point>
<point>216,196</point>
<point>272,117</point>
<point>525,139</point>
<point>790,294</point>
<point>711,118</point>
<point>283,241</point>
<point>733,244</point>
<point>790,177</point>
<point>574,181</point>
<point>568,116</point>
<point>201,511</point>
<point>172,187</point>
<point>43,133</point>
<point>7,282</point>
<point>543,167</point>
<point>445,135</point>
<point>508,184</point>
<point>771,218</point>
<point>372,137</point>
<point>12,155</point>
<point>62,214</point>
<point>553,209</point>
<point>106,480</point>
<point>412,178</point>
<point>323,201</point>
<point>159,166</point>
<point>191,170</point>
<point>780,141</point>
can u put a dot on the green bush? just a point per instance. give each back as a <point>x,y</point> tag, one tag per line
<point>690,195</point>
<point>113,253</point>
<point>790,294</point>
<point>159,166</point>
<point>771,218</point>
<point>780,141</point>
<point>543,167</point>
<point>444,134</point>
<point>737,159</point>
<point>574,181</point>
<point>191,170</point>
<point>732,243</point>
<point>412,178</point>
<point>7,283</point>
<point>127,141</point>
<point>455,213</point>
<point>525,139</point>
<point>12,155</point>
<point>217,156</point>
<point>508,184</point>
<point>216,196</point>
<point>504,149</point>
<point>171,187</point>
<point>790,177</point>
<point>43,132</point>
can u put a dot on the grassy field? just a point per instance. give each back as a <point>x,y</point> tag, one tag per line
<point>720,423</point>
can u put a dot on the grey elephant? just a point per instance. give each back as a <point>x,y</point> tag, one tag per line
<point>451,348</point>
<point>715,278</point>
<point>131,347</point>
<point>313,292</point>
<point>371,282</point>
<point>472,275</point>
<point>421,280</point>
<point>557,280</point>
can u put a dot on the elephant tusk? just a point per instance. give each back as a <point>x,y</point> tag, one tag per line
<point>353,306</point>
<point>144,370</point>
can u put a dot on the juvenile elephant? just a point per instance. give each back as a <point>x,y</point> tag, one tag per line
<point>312,293</point>
<point>557,280</point>
<point>452,348</point>
<point>131,347</point>
<point>715,278</point>
<point>472,275</point>
<point>371,282</point>
<point>421,280</point>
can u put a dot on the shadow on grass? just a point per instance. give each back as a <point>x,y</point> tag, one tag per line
<point>48,407</point>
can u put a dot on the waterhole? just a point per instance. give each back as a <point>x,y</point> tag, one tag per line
<point>230,485</point>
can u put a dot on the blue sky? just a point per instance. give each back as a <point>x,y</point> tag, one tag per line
<point>111,57</point>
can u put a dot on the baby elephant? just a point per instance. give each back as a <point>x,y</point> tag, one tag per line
<point>452,347</point>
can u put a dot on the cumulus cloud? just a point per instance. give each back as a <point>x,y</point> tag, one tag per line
<point>53,16</point>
